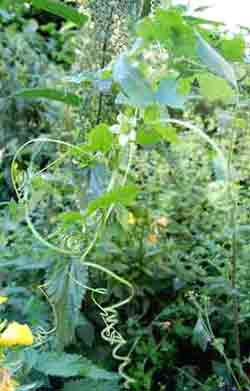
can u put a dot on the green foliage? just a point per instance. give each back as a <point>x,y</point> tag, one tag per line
<point>214,88</point>
<point>134,85</point>
<point>67,297</point>
<point>50,94</point>
<point>100,139</point>
<point>58,8</point>
<point>91,385</point>
<point>124,195</point>
<point>168,94</point>
<point>215,62</point>
<point>70,365</point>
<point>141,201</point>
<point>170,29</point>
<point>234,49</point>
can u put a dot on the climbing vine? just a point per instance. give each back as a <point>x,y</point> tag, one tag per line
<point>173,67</point>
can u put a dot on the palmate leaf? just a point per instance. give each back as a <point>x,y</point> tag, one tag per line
<point>49,93</point>
<point>91,385</point>
<point>67,297</point>
<point>59,8</point>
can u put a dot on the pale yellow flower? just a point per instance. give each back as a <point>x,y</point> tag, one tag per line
<point>3,299</point>
<point>162,221</point>
<point>131,219</point>
<point>16,334</point>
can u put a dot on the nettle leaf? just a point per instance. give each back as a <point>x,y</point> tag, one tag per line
<point>215,62</point>
<point>100,139</point>
<point>234,49</point>
<point>124,195</point>
<point>69,365</point>
<point>134,85</point>
<point>168,94</point>
<point>214,88</point>
<point>91,385</point>
<point>59,8</point>
<point>51,94</point>
<point>67,297</point>
<point>200,334</point>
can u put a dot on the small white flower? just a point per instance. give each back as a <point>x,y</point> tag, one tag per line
<point>115,129</point>
<point>124,139</point>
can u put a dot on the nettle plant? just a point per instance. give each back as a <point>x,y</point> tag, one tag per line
<point>175,63</point>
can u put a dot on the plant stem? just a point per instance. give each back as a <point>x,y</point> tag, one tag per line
<point>236,307</point>
<point>234,252</point>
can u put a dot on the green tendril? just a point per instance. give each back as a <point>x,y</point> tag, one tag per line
<point>109,314</point>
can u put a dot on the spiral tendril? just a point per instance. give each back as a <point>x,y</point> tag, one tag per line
<point>71,248</point>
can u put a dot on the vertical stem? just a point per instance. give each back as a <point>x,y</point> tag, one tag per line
<point>234,252</point>
<point>236,307</point>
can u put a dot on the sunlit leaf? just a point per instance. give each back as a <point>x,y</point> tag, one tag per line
<point>170,29</point>
<point>146,136</point>
<point>214,88</point>
<point>234,49</point>
<point>100,139</point>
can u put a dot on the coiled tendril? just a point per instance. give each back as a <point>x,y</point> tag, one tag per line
<point>71,248</point>
<point>109,314</point>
